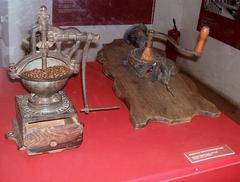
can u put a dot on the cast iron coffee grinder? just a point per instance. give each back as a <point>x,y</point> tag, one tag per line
<point>46,120</point>
<point>151,64</point>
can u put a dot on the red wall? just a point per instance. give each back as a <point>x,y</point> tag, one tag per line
<point>102,12</point>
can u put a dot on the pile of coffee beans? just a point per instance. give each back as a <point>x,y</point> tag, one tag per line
<point>53,72</point>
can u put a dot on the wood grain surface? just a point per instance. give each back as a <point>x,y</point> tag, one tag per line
<point>150,101</point>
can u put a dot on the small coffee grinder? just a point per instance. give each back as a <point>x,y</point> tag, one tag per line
<point>151,64</point>
<point>46,120</point>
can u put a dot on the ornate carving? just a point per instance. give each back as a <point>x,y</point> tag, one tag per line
<point>27,112</point>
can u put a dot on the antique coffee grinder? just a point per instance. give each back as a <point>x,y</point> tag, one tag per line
<point>46,120</point>
<point>149,63</point>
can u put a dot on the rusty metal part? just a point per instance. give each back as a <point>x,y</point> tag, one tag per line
<point>136,35</point>
<point>87,110</point>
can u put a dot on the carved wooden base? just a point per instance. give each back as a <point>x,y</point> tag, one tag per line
<point>39,134</point>
<point>151,101</point>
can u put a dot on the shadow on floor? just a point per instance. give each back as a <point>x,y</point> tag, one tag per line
<point>222,104</point>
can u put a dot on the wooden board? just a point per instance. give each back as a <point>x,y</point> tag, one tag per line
<point>150,101</point>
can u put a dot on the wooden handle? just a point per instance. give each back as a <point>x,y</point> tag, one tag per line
<point>147,54</point>
<point>150,38</point>
<point>203,35</point>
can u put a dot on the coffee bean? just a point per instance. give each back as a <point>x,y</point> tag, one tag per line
<point>53,72</point>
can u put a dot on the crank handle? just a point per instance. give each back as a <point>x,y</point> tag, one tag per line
<point>87,110</point>
<point>203,35</point>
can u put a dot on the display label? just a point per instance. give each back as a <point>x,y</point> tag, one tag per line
<point>209,153</point>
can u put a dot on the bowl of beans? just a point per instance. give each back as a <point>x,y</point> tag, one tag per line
<point>45,81</point>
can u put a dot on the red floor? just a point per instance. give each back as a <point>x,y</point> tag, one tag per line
<point>112,149</point>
